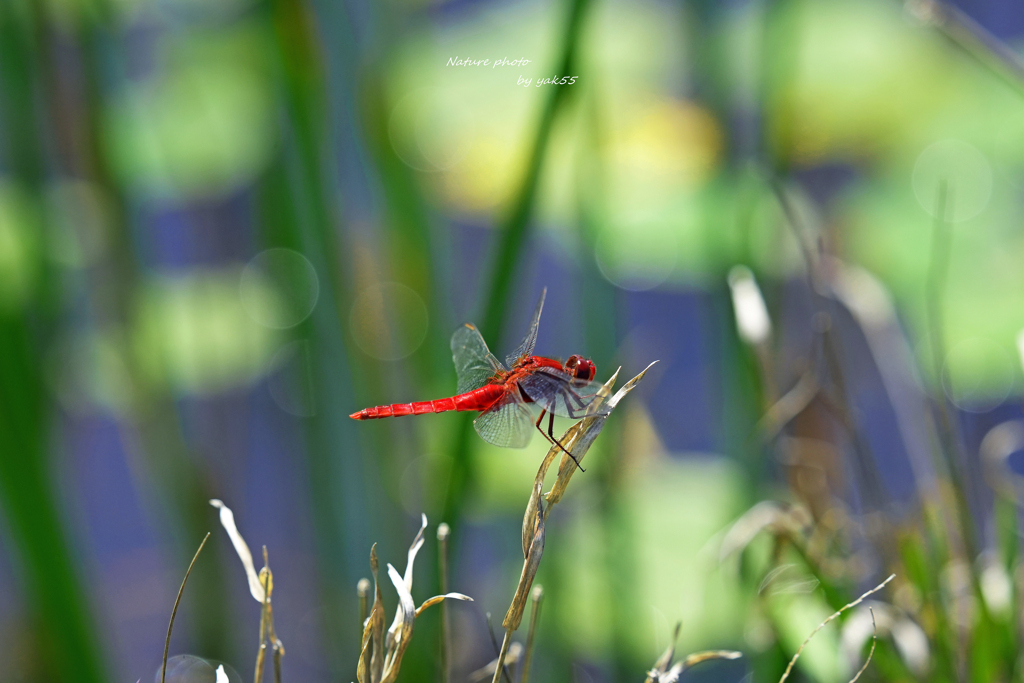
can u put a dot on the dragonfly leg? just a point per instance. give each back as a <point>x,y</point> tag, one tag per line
<point>551,427</point>
<point>580,405</point>
<point>550,436</point>
<point>569,397</point>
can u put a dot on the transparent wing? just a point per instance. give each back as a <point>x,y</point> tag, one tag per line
<point>508,423</point>
<point>474,363</point>
<point>559,393</point>
<point>526,348</point>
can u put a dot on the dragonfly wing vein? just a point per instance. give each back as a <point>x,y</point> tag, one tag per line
<point>530,341</point>
<point>507,424</point>
<point>474,363</point>
<point>558,393</point>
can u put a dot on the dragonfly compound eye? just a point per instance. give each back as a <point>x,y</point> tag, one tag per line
<point>585,369</point>
<point>580,368</point>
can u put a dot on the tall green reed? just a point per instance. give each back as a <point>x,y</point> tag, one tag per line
<point>513,232</point>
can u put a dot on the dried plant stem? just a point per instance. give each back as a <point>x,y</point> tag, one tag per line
<point>537,596</point>
<point>971,37</point>
<point>497,650</point>
<point>576,441</point>
<point>874,641</point>
<point>443,532</point>
<point>823,624</point>
<point>276,643</point>
<point>262,652</point>
<point>824,304</point>
<point>260,657</point>
<point>500,664</point>
<point>174,611</point>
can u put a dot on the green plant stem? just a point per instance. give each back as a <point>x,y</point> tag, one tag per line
<point>298,211</point>
<point>949,438</point>
<point>514,230</point>
<point>54,596</point>
<point>512,236</point>
<point>150,430</point>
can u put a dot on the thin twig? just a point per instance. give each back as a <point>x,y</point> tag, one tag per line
<point>874,641</point>
<point>262,652</point>
<point>499,666</point>
<point>823,624</point>
<point>499,653</point>
<point>537,596</point>
<point>167,643</point>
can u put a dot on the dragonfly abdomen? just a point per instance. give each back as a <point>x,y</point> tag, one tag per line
<point>478,399</point>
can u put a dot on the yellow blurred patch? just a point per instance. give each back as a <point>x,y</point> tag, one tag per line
<point>675,140</point>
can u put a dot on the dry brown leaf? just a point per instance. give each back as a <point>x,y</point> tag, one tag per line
<point>401,630</point>
<point>227,520</point>
<point>530,517</point>
<point>430,602</point>
<point>514,616</point>
<point>371,658</point>
<point>581,435</point>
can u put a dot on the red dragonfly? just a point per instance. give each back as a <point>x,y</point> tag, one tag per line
<point>504,396</point>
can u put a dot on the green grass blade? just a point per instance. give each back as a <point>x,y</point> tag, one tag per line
<point>514,231</point>
<point>53,589</point>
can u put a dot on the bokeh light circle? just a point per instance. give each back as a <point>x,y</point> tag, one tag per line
<point>636,260</point>
<point>964,170</point>
<point>192,669</point>
<point>445,135</point>
<point>1010,141</point>
<point>388,321</point>
<point>978,375</point>
<point>428,135</point>
<point>411,491</point>
<point>291,383</point>
<point>279,288</point>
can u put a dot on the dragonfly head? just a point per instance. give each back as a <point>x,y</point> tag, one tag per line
<point>580,368</point>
